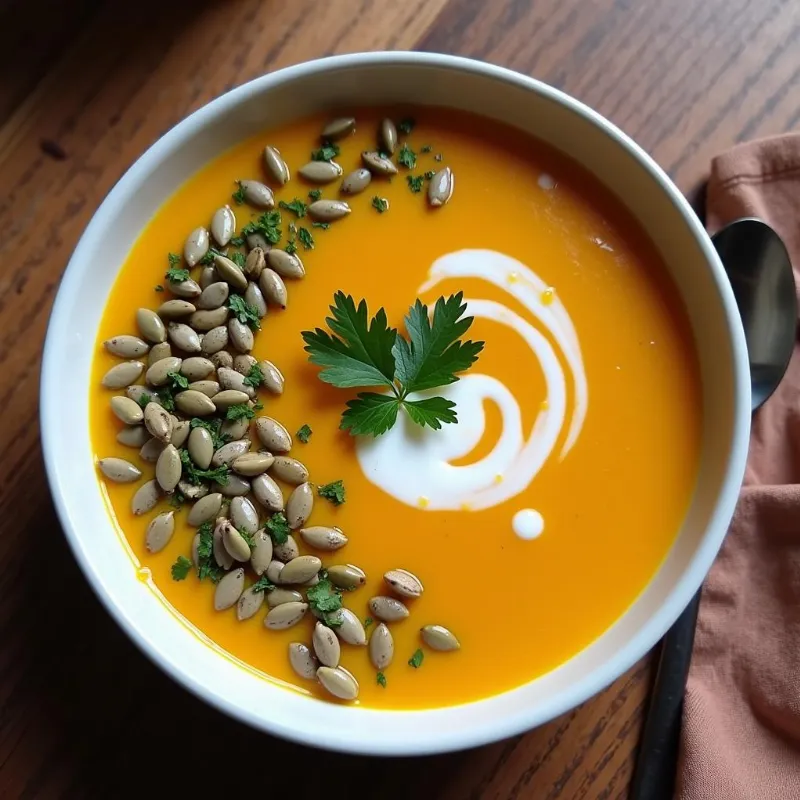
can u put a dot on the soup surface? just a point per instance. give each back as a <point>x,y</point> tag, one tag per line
<point>578,433</point>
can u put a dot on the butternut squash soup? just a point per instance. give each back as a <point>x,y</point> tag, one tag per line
<point>405,414</point>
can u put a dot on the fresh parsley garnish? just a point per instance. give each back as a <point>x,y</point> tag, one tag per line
<point>208,567</point>
<point>407,157</point>
<point>381,679</point>
<point>158,287</point>
<point>315,194</point>
<point>380,204</point>
<point>178,381</point>
<point>326,600</point>
<point>176,275</point>
<point>244,312</point>
<point>143,399</point>
<point>258,405</point>
<point>278,528</point>
<point>304,434</point>
<point>195,475</point>
<point>306,239</point>
<point>268,224</point>
<point>327,152</point>
<point>416,660</point>
<point>255,377</point>
<point>180,569</point>
<point>333,491</point>
<point>429,174</point>
<point>406,125</point>
<point>291,248</point>
<point>237,241</point>
<point>415,182</point>
<point>369,353</point>
<point>297,207</point>
<point>176,500</point>
<point>248,537</point>
<point>367,622</point>
<point>174,259</point>
<point>213,427</point>
<point>238,195</point>
<point>323,225</point>
<point>426,148</point>
<point>263,584</point>
<point>239,411</point>
<point>166,398</point>
<point>239,259</point>
<point>208,259</point>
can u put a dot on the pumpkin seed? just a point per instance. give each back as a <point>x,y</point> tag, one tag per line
<point>126,346</point>
<point>196,551</point>
<point>267,493</point>
<point>287,551</point>
<point>346,576</point>
<point>168,468</point>
<point>274,570</point>
<point>208,275</point>
<point>257,239</point>
<point>287,265</point>
<point>208,388</point>
<point>243,363</point>
<point>215,341</point>
<point>276,166</point>
<point>196,368</point>
<point>302,660</point>
<point>261,553</point>
<point>201,447</point>
<point>230,273</point>
<point>273,288</point>
<point>158,374</point>
<point>158,422</point>
<point>205,509</point>
<point>320,172</point>
<point>196,246</point>
<point>208,320</point>
<point>140,394</point>
<point>377,164</point>
<point>381,647</point>
<point>221,555</point>
<point>255,263</point>
<point>223,225</point>
<point>357,181</point>
<point>249,604</point>
<point>180,432</point>
<point>229,397</point>
<point>252,464</point>
<point>326,645</point>
<point>222,359</point>
<point>255,298</point>
<point>122,375</point>
<point>240,336</point>
<point>234,487</point>
<point>235,428</point>
<point>183,337</point>
<point>273,378</point>
<point>321,537</point>
<point>403,582</point>
<point>231,379</point>
<point>300,569</point>
<point>151,449</point>
<point>244,515</point>
<point>257,194</point>
<point>349,628</point>
<point>229,590</point>
<point>158,351</point>
<point>229,452</point>
<point>194,403</point>
<point>285,615</point>
<point>328,210</point>
<point>213,296</point>
<point>289,470</point>
<point>159,532</point>
<point>150,326</point>
<point>440,188</point>
<point>273,435</point>
<point>127,410</point>
<point>387,609</point>
<point>176,309</point>
<point>119,470</point>
<point>279,597</point>
<point>299,506</point>
<point>338,682</point>
<point>388,136</point>
<point>133,436</point>
<point>187,289</point>
<point>193,491</point>
<point>437,637</point>
<point>146,498</point>
<point>235,543</point>
<point>338,128</point>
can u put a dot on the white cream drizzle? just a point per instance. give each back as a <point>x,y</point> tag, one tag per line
<point>413,465</point>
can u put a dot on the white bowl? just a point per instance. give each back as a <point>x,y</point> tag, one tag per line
<point>357,80</point>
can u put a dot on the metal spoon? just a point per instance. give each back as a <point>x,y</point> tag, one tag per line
<point>760,273</point>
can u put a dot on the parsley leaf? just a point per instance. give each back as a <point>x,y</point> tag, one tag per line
<point>255,377</point>
<point>278,528</point>
<point>178,381</point>
<point>176,275</point>
<point>240,411</point>
<point>406,125</point>
<point>415,182</point>
<point>370,413</point>
<point>425,148</point>
<point>174,259</point>
<point>297,207</point>
<point>407,157</point>
<point>380,204</point>
<point>429,175</point>
<point>306,239</point>
<point>237,241</point>
<point>213,427</point>
<point>195,475</point>
<point>238,195</point>
<point>176,500</point>
<point>208,567</point>
<point>328,151</point>
<point>333,491</point>
<point>248,537</point>
<point>239,259</point>
<point>431,411</point>
<point>326,601</point>
<point>416,660</point>
<point>166,398</point>
<point>208,259</point>
<point>323,225</point>
<point>143,399</point>
<point>315,194</point>
<point>304,434</point>
<point>367,622</point>
<point>291,248</point>
<point>206,546</point>
<point>267,224</point>
<point>381,679</point>
<point>180,569</point>
<point>263,584</point>
<point>244,312</point>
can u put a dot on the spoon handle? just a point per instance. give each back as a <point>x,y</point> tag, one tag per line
<point>656,763</point>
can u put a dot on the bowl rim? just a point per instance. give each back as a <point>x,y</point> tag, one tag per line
<point>657,624</point>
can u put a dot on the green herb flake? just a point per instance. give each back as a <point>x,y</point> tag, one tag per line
<point>207,566</point>
<point>213,427</point>
<point>176,500</point>
<point>239,411</point>
<point>258,405</point>
<point>158,287</point>
<point>406,125</point>
<point>178,381</point>
<point>195,475</point>
<point>268,224</point>
<point>238,195</point>
<point>144,399</point>
<point>306,239</point>
<point>416,660</point>
<point>323,225</point>
<point>315,194</point>
<point>304,434</point>
<point>297,207</point>
<point>248,537</point>
<point>174,259</point>
<point>327,152</point>
<point>429,175</point>
<point>208,259</point>
<point>167,400</point>
<point>237,241</point>
<point>333,491</point>
<point>325,600</point>
<point>367,622</point>
<point>176,275</point>
<point>407,157</point>
<point>278,528</point>
<point>244,312</point>
<point>239,259</point>
<point>291,248</point>
<point>255,377</point>
<point>180,569</point>
<point>425,148</point>
<point>263,584</point>
<point>381,679</point>
<point>415,182</point>
<point>380,204</point>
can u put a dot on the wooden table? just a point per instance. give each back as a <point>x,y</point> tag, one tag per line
<point>85,87</point>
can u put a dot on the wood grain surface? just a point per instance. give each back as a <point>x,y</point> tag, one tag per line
<point>85,87</point>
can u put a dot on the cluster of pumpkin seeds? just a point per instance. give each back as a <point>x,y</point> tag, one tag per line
<point>190,406</point>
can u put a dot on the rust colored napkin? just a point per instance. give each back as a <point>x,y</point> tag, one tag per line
<point>741,717</point>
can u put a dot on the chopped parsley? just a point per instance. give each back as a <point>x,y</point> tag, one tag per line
<point>239,411</point>
<point>429,175</point>
<point>195,475</point>
<point>166,398</point>
<point>213,427</point>
<point>144,399</point>
<point>244,312</point>
<point>176,500</point>
<point>415,182</point>
<point>176,275</point>
<point>381,679</point>
<point>178,381</point>
<point>327,152</point>
<point>333,492</point>
<point>291,248</point>
<point>406,125</point>
<point>237,241</point>
<point>304,434</point>
<point>326,600</point>
<point>407,157</point>
<point>208,259</point>
<point>278,528</point>
<point>380,204</point>
<point>367,622</point>
<point>416,660</point>
<point>258,405</point>
<point>425,148</point>
<point>180,569</point>
<point>315,194</point>
<point>306,239</point>
<point>263,584</point>
<point>268,224</point>
<point>238,195</point>
<point>239,259</point>
<point>158,287</point>
<point>297,207</point>
<point>248,537</point>
<point>255,377</point>
<point>208,567</point>
<point>174,259</point>
<point>323,225</point>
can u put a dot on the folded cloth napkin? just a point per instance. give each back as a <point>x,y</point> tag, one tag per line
<point>741,716</point>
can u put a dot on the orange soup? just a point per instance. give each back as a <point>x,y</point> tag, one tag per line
<point>535,520</point>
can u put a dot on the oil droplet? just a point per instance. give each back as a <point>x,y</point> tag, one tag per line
<point>545,405</point>
<point>513,277</point>
<point>423,502</point>
<point>144,574</point>
<point>548,295</point>
<point>498,478</point>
